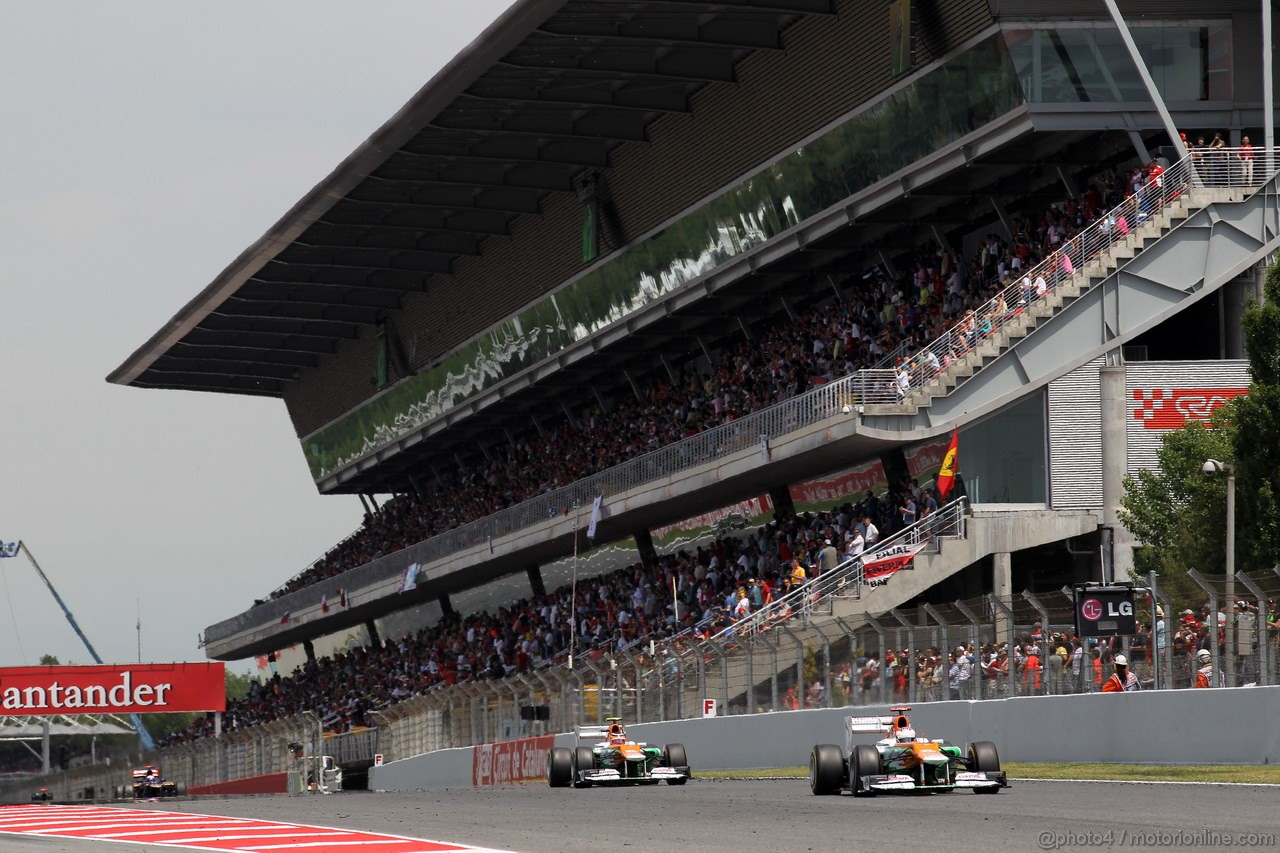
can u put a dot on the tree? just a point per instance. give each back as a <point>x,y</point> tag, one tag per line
<point>49,660</point>
<point>1175,511</point>
<point>1178,513</point>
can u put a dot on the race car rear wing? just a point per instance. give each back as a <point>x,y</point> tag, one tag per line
<point>868,725</point>
<point>592,733</point>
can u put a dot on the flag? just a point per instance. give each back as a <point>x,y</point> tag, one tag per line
<point>324,603</point>
<point>284,619</point>
<point>947,473</point>
<point>9,549</point>
<point>410,579</point>
<point>884,563</point>
<point>342,601</point>
<point>595,517</point>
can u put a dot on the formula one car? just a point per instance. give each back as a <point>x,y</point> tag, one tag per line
<point>42,796</point>
<point>613,758</point>
<point>147,784</point>
<point>902,761</point>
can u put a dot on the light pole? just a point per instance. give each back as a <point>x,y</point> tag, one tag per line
<point>1213,467</point>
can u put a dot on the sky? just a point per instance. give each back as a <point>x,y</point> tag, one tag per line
<point>145,144</point>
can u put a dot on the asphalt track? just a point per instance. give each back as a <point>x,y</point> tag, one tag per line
<point>741,816</point>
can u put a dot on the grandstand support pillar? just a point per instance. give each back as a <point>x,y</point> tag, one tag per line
<point>1004,219</point>
<point>1002,583</point>
<point>783,505</point>
<point>895,467</point>
<point>1114,466</point>
<point>44,746</point>
<point>374,639</point>
<point>310,648</point>
<point>417,489</point>
<point>1234,295</point>
<point>1152,92</point>
<point>536,585</point>
<point>1140,146</point>
<point>446,606</point>
<point>644,544</point>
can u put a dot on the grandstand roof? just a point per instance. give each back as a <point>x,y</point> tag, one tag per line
<point>544,94</point>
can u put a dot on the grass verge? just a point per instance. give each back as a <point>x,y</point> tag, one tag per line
<point>1252,774</point>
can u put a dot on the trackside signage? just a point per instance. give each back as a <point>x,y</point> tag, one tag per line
<point>113,689</point>
<point>513,761</point>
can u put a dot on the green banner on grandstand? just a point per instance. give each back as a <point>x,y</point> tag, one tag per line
<point>884,136</point>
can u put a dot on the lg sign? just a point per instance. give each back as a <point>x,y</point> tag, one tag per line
<point>1104,611</point>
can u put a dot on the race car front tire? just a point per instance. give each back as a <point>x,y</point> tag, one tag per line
<point>559,767</point>
<point>674,756</point>
<point>864,761</point>
<point>826,769</point>
<point>583,759</point>
<point>984,758</point>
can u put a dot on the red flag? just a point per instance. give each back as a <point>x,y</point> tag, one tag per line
<point>343,600</point>
<point>324,603</point>
<point>947,473</point>
<point>284,620</point>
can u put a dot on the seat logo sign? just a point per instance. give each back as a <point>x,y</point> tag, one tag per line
<point>1164,408</point>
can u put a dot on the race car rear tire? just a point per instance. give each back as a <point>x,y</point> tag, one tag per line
<point>559,767</point>
<point>826,769</point>
<point>864,761</point>
<point>984,758</point>
<point>583,759</point>
<point>674,756</point>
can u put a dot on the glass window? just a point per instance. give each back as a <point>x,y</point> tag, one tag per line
<point>1188,62</point>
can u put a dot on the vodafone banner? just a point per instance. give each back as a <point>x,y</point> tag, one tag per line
<point>142,688</point>
<point>512,761</point>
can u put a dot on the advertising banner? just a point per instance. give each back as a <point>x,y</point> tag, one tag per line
<point>1105,611</point>
<point>884,563</point>
<point>511,761</point>
<point>141,688</point>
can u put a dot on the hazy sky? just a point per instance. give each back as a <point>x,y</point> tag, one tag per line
<point>144,145</point>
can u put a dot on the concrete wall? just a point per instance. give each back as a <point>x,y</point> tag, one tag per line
<point>1168,727</point>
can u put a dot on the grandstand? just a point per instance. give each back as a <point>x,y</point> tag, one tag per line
<point>601,202</point>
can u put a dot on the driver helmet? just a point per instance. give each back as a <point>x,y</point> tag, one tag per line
<point>906,733</point>
<point>1204,656</point>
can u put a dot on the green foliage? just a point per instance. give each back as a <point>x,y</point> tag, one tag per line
<point>1178,513</point>
<point>49,660</point>
<point>237,685</point>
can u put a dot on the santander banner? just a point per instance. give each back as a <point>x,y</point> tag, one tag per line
<point>157,688</point>
<point>513,761</point>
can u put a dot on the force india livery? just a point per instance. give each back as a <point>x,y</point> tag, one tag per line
<point>612,758</point>
<point>901,761</point>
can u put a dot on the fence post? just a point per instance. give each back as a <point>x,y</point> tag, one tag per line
<point>975,626</point>
<point>800,685</point>
<point>1005,609</point>
<point>1046,634</point>
<point>879,629</point>
<point>1213,623</point>
<point>911,652</point>
<point>1259,626</point>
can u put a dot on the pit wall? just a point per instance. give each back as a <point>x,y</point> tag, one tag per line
<point>1165,727</point>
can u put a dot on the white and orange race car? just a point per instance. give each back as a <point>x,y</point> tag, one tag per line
<point>605,755</point>
<point>902,761</point>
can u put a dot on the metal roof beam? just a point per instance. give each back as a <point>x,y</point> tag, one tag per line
<point>598,158</point>
<point>225,385</point>
<point>386,221</point>
<point>390,237</point>
<point>216,367</point>
<point>518,91</point>
<point>359,315</point>
<point>378,260</point>
<point>543,123</point>
<point>282,355</point>
<point>777,7</point>
<point>644,30</point>
<point>316,294</point>
<point>322,329</point>
<point>257,342</point>
<point>496,129</point>
<point>603,67</point>
<point>529,206</point>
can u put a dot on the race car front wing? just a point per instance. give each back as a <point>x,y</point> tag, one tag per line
<point>963,779</point>
<point>606,775</point>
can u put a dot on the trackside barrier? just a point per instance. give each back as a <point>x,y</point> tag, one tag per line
<point>1156,727</point>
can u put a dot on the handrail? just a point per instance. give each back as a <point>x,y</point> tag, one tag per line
<point>1221,167</point>
<point>945,521</point>
<point>869,386</point>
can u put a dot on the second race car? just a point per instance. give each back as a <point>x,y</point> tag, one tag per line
<point>605,755</point>
<point>902,761</point>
